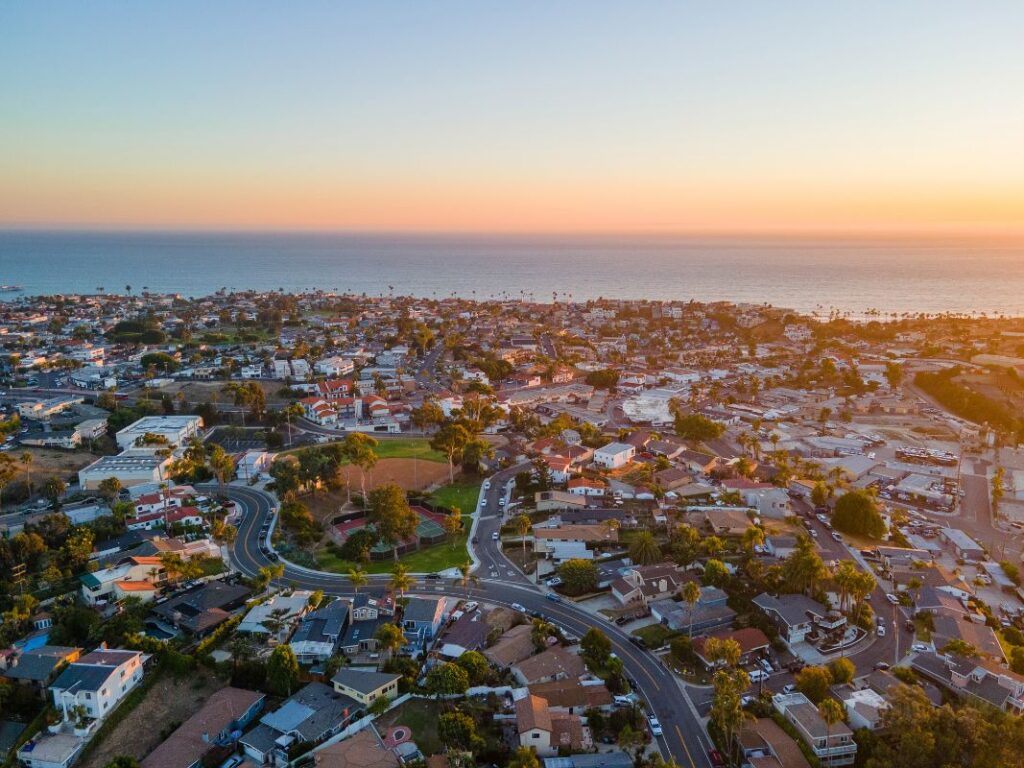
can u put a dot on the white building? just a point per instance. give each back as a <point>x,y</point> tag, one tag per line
<point>614,455</point>
<point>334,366</point>
<point>97,682</point>
<point>175,429</point>
<point>130,469</point>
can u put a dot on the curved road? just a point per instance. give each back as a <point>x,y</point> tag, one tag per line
<point>684,738</point>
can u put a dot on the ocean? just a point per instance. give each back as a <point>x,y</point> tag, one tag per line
<point>858,276</point>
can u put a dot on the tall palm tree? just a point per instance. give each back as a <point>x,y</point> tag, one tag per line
<point>401,579</point>
<point>690,594</point>
<point>521,524</point>
<point>467,577</point>
<point>357,578</point>
<point>26,462</point>
<point>831,711</point>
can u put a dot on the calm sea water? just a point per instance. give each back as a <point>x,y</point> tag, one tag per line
<point>851,275</point>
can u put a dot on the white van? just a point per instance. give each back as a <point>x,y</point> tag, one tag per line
<point>758,675</point>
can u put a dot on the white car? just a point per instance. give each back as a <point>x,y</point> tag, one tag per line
<point>758,676</point>
<point>518,607</point>
<point>892,598</point>
<point>837,536</point>
<point>880,630</point>
<point>655,726</point>
<point>495,536</point>
<point>470,606</point>
<point>814,533</point>
<point>487,484</point>
<point>919,647</point>
<point>788,688</point>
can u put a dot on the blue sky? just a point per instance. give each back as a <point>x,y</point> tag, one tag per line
<point>522,116</point>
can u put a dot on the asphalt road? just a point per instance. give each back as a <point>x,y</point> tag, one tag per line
<point>684,738</point>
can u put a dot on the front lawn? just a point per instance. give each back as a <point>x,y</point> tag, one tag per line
<point>655,635</point>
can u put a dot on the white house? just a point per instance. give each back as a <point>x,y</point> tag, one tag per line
<point>175,429</point>
<point>614,455</point>
<point>334,366</point>
<point>97,682</point>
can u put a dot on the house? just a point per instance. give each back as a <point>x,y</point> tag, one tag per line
<point>364,686</point>
<point>554,501</point>
<point>751,640</point>
<point>201,610</point>
<point>37,667</point>
<point>548,732</point>
<point>642,584</point>
<point>320,631</point>
<point>551,541</point>
<point>614,455</point>
<point>468,632</point>
<point>764,744</point>
<point>768,501</point>
<point>552,664</point>
<point>57,750</point>
<point>135,576</point>
<point>709,612</point>
<point>215,724</point>
<point>586,486</point>
<point>285,608</point>
<point>366,614</point>
<point>97,682</point>
<point>980,679</point>
<point>832,745</point>
<point>864,707</point>
<point>422,618</point>
<point>512,647</point>
<point>364,749</point>
<point>780,546</point>
<point>573,696</point>
<point>723,521</point>
<point>796,615</point>
<point>311,715</point>
<point>615,758</point>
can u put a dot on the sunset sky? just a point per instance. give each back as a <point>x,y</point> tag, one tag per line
<point>527,117</point>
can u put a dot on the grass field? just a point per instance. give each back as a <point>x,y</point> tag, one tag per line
<point>462,494</point>
<point>408,448</point>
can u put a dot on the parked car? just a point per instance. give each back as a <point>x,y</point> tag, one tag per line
<point>758,676</point>
<point>715,758</point>
<point>892,598</point>
<point>919,647</point>
<point>788,688</point>
<point>655,726</point>
<point>518,607</point>
<point>837,536</point>
<point>433,576</point>
<point>766,665</point>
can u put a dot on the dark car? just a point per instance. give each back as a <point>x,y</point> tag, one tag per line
<point>638,641</point>
<point>476,539</point>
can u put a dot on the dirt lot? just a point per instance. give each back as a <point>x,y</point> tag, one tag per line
<point>411,474</point>
<point>48,461</point>
<point>167,704</point>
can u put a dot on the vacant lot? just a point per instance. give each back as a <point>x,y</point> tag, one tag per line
<point>410,474</point>
<point>167,704</point>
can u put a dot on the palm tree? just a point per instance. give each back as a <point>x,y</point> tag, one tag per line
<point>357,578</point>
<point>831,711</point>
<point>466,576</point>
<point>690,594</point>
<point>521,525</point>
<point>401,579</point>
<point>26,462</point>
